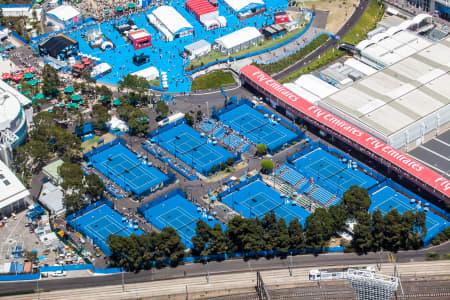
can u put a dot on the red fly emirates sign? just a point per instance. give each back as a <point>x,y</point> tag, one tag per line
<point>359,136</point>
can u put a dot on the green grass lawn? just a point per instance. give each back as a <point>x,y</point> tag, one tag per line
<point>155,82</point>
<point>87,145</point>
<point>212,80</point>
<point>368,22</point>
<point>214,55</point>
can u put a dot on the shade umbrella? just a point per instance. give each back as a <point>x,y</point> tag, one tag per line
<point>62,105</point>
<point>104,99</point>
<point>26,93</point>
<point>39,96</point>
<point>131,5</point>
<point>81,102</point>
<point>50,110</point>
<point>106,12</point>
<point>28,75</point>
<point>75,105</point>
<point>117,102</point>
<point>30,70</point>
<point>33,82</point>
<point>6,76</point>
<point>119,8</point>
<point>19,86</point>
<point>17,77</point>
<point>69,89</point>
<point>76,97</point>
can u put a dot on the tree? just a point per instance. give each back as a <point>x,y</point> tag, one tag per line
<point>354,200</point>
<point>125,111</point>
<point>377,230</point>
<point>38,152</point>
<point>72,176</point>
<point>230,161</point>
<point>189,119</point>
<point>199,115</point>
<point>282,241</point>
<point>105,92</point>
<point>73,201</point>
<point>339,215</point>
<point>318,229</point>
<point>51,81</point>
<point>100,115</point>
<point>295,230</point>
<point>269,224</point>
<point>94,186</point>
<point>261,149</point>
<point>244,235</point>
<point>162,108</point>
<point>266,166</point>
<point>362,233</point>
<point>392,231</point>
<point>217,241</point>
<point>138,122</point>
<point>203,234</point>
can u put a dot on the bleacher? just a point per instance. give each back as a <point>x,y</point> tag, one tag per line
<point>321,194</point>
<point>219,133</point>
<point>233,141</point>
<point>208,125</point>
<point>291,176</point>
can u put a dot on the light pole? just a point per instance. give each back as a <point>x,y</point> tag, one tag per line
<point>290,264</point>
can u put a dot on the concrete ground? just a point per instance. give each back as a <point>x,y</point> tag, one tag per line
<point>16,234</point>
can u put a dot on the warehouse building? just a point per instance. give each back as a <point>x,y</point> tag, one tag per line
<point>404,104</point>
<point>170,22</point>
<point>238,40</point>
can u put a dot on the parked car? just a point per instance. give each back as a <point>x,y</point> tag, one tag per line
<point>59,274</point>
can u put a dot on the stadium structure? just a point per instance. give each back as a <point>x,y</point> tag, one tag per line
<point>367,285</point>
<point>13,120</point>
<point>390,104</point>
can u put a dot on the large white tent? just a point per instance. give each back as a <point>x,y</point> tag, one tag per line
<point>238,40</point>
<point>149,73</point>
<point>243,6</point>
<point>63,16</point>
<point>171,23</point>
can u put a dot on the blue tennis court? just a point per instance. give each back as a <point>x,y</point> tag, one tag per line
<point>257,199</point>
<point>177,212</point>
<point>97,224</point>
<point>387,199</point>
<point>257,127</point>
<point>123,167</point>
<point>189,146</point>
<point>321,164</point>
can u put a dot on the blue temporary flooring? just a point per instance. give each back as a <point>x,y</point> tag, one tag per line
<point>323,165</point>
<point>256,127</point>
<point>123,167</point>
<point>98,223</point>
<point>257,199</point>
<point>189,146</point>
<point>387,199</point>
<point>179,213</point>
<point>165,56</point>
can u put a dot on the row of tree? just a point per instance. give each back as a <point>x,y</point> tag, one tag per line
<point>371,232</point>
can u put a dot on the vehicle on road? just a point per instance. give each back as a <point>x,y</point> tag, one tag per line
<point>59,273</point>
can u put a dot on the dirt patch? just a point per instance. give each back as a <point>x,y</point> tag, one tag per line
<point>339,11</point>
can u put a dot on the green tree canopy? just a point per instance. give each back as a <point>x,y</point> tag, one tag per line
<point>203,234</point>
<point>296,239</point>
<point>267,166</point>
<point>100,115</point>
<point>377,230</point>
<point>189,119</point>
<point>354,200</point>
<point>392,230</point>
<point>94,186</point>
<point>138,122</point>
<point>261,149</point>
<point>51,81</point>
<point>318,229</point>
<point>162,108</point>
<point>362,233</point>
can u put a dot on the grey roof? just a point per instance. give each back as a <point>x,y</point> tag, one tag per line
<point>52,197</point>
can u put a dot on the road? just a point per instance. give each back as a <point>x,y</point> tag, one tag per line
<point>327,45</point>
<point>228,266</point>
<point>225,282</point>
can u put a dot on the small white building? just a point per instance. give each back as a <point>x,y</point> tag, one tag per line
<point>12,192</point>
<point>238,40</point>
<point>118,124</point>
<point>52,198</point>
<point>63,16</point>
<point>197,49</point>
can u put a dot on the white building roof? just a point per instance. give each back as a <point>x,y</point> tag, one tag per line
<point>11,189</point>
<point>315,85</point>
<point>149,73</point>
<point>52,198</point>
<point>400,96</point>
<point>172,19</point>
<point>302,92</point>
<point>139,34</point>
<point>64,12</point>
<point>201,45</point>
<point>239,5</point>
<point>100,69</point>
<point>238,37</point>
<point>360,66</point>
<point>4,87</point>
